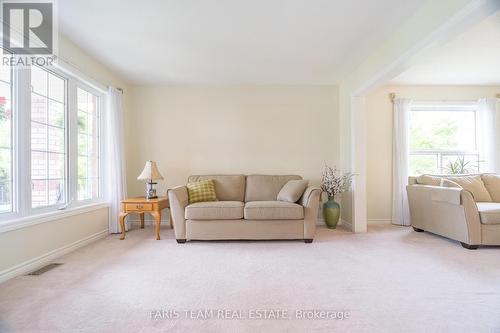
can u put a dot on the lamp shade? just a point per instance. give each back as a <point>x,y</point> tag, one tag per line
<point>150,172</point>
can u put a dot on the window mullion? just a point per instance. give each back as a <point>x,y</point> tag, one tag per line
<point>72,142</point>
<point>23,138</point>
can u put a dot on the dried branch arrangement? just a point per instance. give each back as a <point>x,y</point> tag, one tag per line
<point>334,182</point>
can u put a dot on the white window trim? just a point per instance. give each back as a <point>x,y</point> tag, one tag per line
<point>30,220</point>
<point>23,214</point>
<point>73,130</point>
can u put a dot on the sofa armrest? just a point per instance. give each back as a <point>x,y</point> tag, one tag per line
<point>450,195</point>
<point>308,195</point>
<point>446,211</point>
<point>471,217</point>
<point>310,201</point>
<point>178,197</point>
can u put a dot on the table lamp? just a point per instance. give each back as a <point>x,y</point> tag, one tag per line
<point>150,173</point>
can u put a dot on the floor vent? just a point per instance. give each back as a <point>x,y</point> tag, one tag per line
<point>44,269</point>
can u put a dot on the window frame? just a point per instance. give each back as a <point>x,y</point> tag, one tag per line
<point>14,150</point>
<point>48,208</point>
<point>440,153</point>
<point>21,145</point>
<point>74,132</point>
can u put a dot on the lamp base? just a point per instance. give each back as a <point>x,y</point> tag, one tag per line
<point>150,191</point>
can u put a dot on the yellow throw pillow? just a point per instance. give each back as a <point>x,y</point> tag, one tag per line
<point>201,191</point>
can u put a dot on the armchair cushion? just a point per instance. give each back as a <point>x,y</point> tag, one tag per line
<point>273,210</point>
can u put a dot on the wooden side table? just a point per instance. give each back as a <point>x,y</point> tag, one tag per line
<point>142,205</point>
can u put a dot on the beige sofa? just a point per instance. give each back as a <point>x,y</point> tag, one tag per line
<point>246,209</point>
<point>469,214</point>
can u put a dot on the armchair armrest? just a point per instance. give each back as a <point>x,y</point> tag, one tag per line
<point>178,197</point>
<point>310,201</point>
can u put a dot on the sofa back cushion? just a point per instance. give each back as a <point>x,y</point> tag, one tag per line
<point>474,184</point>
<point>492,184</point>
<point>266,187</point>
<point>227,187</point>
<point>429,180</point>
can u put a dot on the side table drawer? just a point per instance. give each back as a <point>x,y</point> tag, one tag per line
<point>138,207</point>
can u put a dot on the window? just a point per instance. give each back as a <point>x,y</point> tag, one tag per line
<point>50,131</point>
<point>48,137</point>
<point>6,147</point>
<point>88,144</point>
<point>443,139</point>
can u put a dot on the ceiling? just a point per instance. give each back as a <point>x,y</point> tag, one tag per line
<point>232,41</point>
<point>472,58</point>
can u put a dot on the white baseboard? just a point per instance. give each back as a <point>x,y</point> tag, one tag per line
<point>379,221</point>
<point>320,221</point>
<point>346,224</point>
<point>35,263</point>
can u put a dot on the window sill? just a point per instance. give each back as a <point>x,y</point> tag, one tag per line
<point>23,222</point>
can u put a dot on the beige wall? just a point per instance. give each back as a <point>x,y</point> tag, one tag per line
<point>232,129</point>
<point>379,136</point>
<point>21,246</point>
<point>428,26</point>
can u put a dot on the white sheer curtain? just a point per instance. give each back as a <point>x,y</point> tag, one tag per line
<point>488,134</point>
<point>115,183</point>
<point>400,150</point>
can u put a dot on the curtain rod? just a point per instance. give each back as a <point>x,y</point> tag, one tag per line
<point>392,97</point>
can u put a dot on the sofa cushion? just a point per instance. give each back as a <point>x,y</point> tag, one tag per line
<point>489,212</point>
<point>273,210</point>
<point>474,184</point>
<point>265,187</point>
<point>429,180</point>
<point>215,210</point>
<point>492,184</point>
<point>293,190</point>
<point>227,187</point>
<point>201,191</point>
<point>449,183</point>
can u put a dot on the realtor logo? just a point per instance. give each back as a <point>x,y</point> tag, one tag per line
<point>28,27</point>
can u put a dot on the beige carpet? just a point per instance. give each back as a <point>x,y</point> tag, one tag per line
<point>390,279</point>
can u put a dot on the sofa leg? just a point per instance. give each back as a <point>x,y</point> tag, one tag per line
<point>469,247</point>
<point>181,241</point>
<point>308,240</point>
<point>418,229</point>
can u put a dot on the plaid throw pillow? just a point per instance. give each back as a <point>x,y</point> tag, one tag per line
<point>201,191</point>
